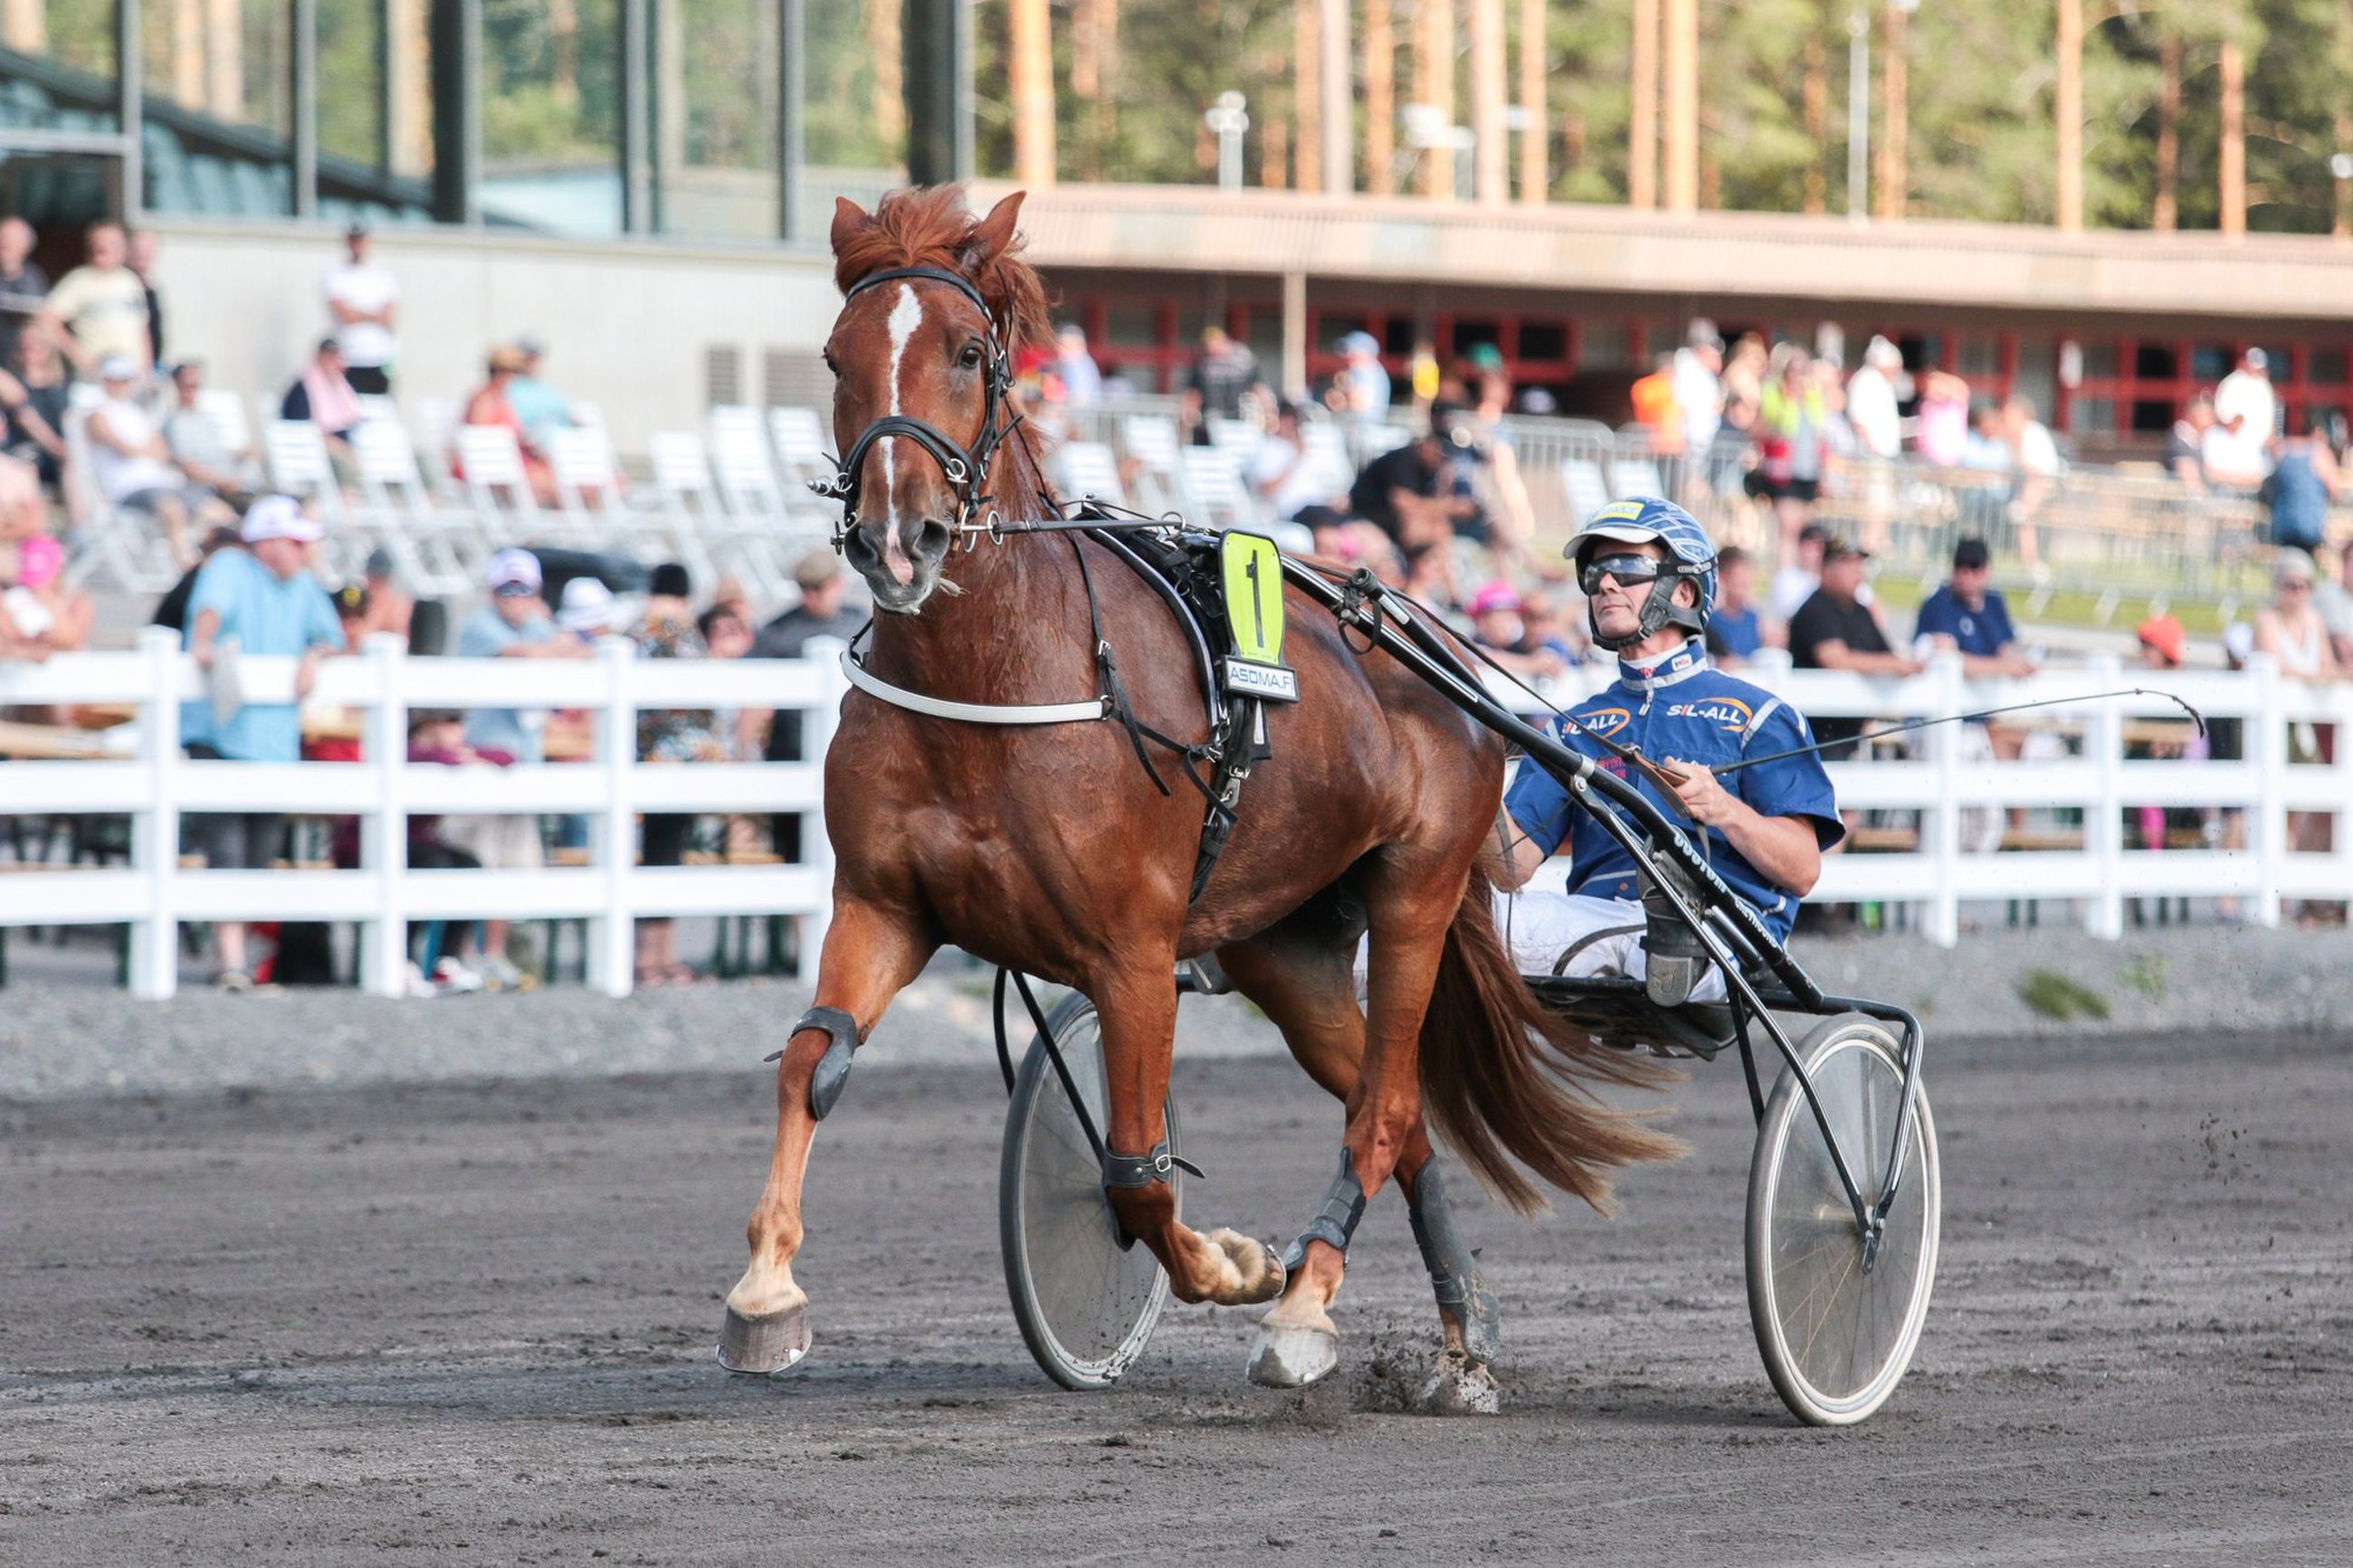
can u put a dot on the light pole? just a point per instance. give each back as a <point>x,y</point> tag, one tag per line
<point>1228,118</point>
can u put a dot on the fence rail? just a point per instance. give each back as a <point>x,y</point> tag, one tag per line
<point>155,786</point>
<point>152,785</point>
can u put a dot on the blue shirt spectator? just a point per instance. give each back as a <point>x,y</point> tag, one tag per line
<point>1969,615</point>
<point>265,599</point>
<point>515,624</point>
<point>1735,633</point>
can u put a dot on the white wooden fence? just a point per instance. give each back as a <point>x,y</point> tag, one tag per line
<point>154,785</point>
<point>1937,782</point>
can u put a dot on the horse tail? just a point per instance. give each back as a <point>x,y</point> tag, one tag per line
<point>1505,1077</point>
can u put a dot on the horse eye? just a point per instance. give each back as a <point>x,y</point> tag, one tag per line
<point>970,358</point>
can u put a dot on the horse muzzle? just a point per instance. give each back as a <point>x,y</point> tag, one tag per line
<point>901,562</point>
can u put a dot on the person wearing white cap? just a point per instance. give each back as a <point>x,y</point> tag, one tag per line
<point>132,463</point>
<point>1362,390</point>
<point>589,609</point>
<point>262,601</point>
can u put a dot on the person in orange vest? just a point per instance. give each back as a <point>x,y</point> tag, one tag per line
<point>1656,409</point>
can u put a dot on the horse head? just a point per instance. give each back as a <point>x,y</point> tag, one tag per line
<point>935,303</point>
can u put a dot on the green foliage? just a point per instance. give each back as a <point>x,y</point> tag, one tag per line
<point>2148,974</point>
<point>2053,995</point>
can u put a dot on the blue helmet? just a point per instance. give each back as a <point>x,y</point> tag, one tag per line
<point>1689,555</point>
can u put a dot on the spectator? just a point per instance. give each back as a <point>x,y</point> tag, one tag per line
<point>1497,628</point>
<point>1362,390</point>
<point>2185,448</point>
<point>670,735</point>
<point>1871,396</point>
<point>259,602</point>
<point>1835,629</point>
<point>438,737</point>
<point>389,607</point>
<point>1223,373</point>
<point>727,633</point>
<point>1548,628</point>
<point>1799,574</point>
<point>140,260</point>
<point>2247,410</point>
<point>1968,615</point>
<point>1281,471</point>
<point>1983,448</point>
<point>2230,463</point>
<point>171,609</point>
<point>1744,383</point>
<point>1340,537</point>
<point>1082,379</point>
<point>491,406</point>
<point>23,285</point>
<point>2303,481</point>
<point>2035,456</point>
<point>1412,495</point>
<point>132,466</point>
<point>98,310</point>
<point>1699,393</point>
<point>514,624</point>
<point>36,412</point>
<point>324,396</point>
<point>2290,628</point>
<point>1791,433</point>
<point>2333,597</point>
<point>1735,627</point>
<point>43,611</point>
<point>1941,420</point>
<point>363,303</point>
<point>197,446</point>
<point>588,610</point>
<point>822,613</point>
<point>2164,645</point>
<point>1512,523</point>
<point>1655,408</point>
<point>538,406</point>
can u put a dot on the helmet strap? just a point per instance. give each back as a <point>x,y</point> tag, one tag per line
<point>1658,611</point>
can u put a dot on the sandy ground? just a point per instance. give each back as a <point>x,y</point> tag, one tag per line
<point>472,1323</point>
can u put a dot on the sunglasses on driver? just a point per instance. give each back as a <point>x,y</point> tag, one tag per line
<point>1630,571</point>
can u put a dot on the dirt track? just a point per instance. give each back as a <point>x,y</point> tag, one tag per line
<point>474,1323</point>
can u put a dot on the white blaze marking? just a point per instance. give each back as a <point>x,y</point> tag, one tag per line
<point>905,317</point>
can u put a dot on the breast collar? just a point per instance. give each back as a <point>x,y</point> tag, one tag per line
<point>1667,669</point>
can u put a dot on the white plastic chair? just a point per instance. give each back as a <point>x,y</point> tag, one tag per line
<point>800,438</point>
<point>438,554</point>
<point>588,487</point>
<point>1635,477</point>
<point>109,544</point>
<point>226,411</point>
<point>437,422</point>
<point>1151,441</point>
<point>695,525</point>
<point>1214,492</point>
<point>377,408</point>
<point>296,453</point>
<point>497,484</point>
<point>1088,468</point>
<point>1582,484</point>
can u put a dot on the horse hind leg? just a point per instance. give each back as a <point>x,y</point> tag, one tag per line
<point>1299,975</point>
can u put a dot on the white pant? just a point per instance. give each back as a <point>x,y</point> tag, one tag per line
<point>1539,927</point>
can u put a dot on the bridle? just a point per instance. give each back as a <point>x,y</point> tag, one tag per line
<point>966,471</point>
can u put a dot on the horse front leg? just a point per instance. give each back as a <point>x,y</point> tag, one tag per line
<point>1136,1003</point>
<point>869,955</point>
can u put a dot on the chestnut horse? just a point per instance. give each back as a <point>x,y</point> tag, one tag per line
<point>1052,851</point>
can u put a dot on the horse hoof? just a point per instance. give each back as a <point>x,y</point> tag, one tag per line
<point>1458,1386</point>
<point>1259,1274</point>
<point>1292,1358</point>
<point>764,1346</point>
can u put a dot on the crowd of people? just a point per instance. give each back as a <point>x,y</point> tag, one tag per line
<point>150,448</point>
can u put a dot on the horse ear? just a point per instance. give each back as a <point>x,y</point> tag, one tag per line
<point>993,235</point>
<point>849,220</point>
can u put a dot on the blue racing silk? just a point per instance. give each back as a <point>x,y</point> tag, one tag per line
<point>1681,706</point>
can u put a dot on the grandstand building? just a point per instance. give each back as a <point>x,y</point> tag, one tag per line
<point>673,261</point>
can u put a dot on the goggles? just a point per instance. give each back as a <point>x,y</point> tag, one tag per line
<point>1629,571</point>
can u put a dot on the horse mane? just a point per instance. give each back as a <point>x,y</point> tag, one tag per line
<point>927,226</point>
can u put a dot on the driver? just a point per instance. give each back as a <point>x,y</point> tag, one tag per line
<point>1648,574</point>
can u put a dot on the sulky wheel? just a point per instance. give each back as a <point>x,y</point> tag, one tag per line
<point>1087,1304</point>
<point>1836,1338</point>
